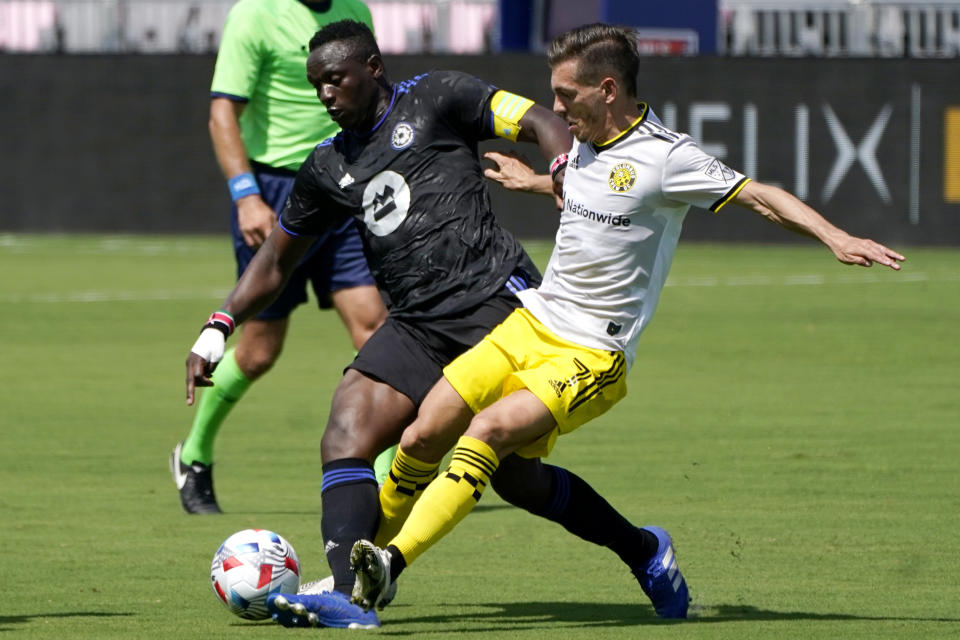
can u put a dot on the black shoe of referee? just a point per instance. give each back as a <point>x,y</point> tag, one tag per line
<point>195,483</point>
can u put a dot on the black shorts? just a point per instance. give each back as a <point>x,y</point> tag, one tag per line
<point>410,355</point>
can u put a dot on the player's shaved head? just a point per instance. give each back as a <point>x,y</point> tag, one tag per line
<point>346,69</point>
<point>354,35</point>
<point>601,50</point>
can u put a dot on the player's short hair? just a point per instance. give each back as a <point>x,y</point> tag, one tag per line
<point>358,34</point>
<point>600,50</point>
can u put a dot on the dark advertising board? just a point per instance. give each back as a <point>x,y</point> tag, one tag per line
<point>873,144</point>
<point>120,143</point>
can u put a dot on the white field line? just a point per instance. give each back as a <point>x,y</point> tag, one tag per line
<point>685,281</point>
<point>12,244</point>
<point>115,296</point>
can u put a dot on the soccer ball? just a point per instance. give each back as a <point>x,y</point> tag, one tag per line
<point>250,565</point>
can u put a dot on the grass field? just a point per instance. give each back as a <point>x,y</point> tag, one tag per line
<point>793,422</point>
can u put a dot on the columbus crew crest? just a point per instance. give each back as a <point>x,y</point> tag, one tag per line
<point>402,136</point>
<point>622,177</point>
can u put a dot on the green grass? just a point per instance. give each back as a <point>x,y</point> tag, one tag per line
<point>793,422</point>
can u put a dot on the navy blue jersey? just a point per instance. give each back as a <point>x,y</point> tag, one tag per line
<point>415,186</point>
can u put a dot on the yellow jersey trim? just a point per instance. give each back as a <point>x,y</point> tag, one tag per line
<point>732,193</point>
<point>633,125</point>
<point>507,109</point>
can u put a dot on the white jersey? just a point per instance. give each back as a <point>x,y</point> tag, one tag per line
<point>623,207</point>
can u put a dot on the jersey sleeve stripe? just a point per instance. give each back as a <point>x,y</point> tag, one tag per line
<point>730,195</point>
<point>663,137</point>
<point>289,231</point>
<point>228,96</point>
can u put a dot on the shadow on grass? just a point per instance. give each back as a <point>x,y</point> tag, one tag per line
<point>480,508</point>
<point>28,617</point>
<point>494,617</point>
<point>733,612</point>
<point>314,512</point>
<point>271,512</point>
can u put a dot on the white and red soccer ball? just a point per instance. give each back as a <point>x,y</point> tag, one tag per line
<point>250,565</point>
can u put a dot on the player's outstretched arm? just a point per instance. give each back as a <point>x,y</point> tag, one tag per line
<point>262,281</point>
<point>790,212</point>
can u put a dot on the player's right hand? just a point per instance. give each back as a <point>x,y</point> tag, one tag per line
<point>255,219</point>
<point>206,352</point>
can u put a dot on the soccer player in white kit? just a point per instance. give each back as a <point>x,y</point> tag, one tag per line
<point>562,359</point>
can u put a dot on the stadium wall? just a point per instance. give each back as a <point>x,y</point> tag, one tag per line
<point>119,143</point>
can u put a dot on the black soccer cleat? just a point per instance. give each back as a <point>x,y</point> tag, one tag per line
<point>195,483</point>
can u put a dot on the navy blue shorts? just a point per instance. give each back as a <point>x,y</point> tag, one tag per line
<point>334,262</point>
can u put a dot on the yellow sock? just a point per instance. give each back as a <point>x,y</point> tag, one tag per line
<point>448,499</point>
<point>401,489</point>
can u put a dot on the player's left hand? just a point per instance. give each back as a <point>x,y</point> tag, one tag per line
<point>865,252</point>
<point>515,172</point>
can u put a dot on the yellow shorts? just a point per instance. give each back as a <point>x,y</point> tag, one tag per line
<point>576,383</point>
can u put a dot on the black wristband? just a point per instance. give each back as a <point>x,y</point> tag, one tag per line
<point>219,326</point>
<point>221,321</point>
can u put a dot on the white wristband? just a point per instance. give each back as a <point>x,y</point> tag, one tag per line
<point>210,345</point>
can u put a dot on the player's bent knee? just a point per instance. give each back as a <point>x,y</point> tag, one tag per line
<point>255,357</point>
<point>419,444</point>
<point>491,431</point>
<point>343,437</point>
<point>259,365</point>
<point>254,363</point>
<point>366,417</point>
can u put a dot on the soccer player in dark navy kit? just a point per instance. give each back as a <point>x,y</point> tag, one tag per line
<point>405,167</point>
<point>264,121</point>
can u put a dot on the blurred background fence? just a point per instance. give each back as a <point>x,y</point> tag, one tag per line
<point>888,28</point>
<point>850,104</point>
<point>194,26</point>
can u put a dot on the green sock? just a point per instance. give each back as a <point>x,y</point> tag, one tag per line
<point>229,385</point>
<point>381,466</point>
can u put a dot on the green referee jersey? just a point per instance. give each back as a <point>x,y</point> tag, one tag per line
<point>263,61</point>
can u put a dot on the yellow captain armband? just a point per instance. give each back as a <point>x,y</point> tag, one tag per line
<point>507,109</point>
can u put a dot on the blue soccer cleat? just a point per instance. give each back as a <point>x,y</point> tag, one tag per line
<point>661,579</point>
<point>332,609</point>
